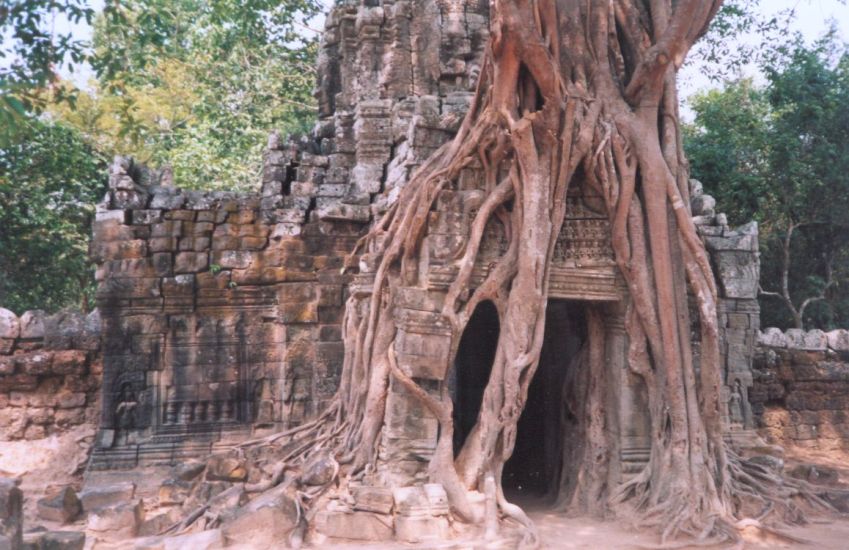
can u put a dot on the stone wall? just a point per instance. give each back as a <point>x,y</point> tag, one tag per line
<point>222,312</point>
<point>735,259</point>
<point>50,373</point>
<point>801,388</point>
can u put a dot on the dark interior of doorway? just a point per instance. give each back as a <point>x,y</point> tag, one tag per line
<point>533,471</point>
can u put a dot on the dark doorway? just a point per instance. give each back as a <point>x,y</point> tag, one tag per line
<point>472,367</point>
<point>533,470</point>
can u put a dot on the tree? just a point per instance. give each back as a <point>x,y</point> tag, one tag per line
<point>570,94</point>
<point>32,51</point>
<point>779,155</point>
<point>198,85</point>
<point>49,182</point>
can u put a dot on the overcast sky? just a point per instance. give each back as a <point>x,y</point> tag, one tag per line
<point>812,19</point>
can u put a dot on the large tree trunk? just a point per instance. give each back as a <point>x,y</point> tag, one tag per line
<point>571,93</point>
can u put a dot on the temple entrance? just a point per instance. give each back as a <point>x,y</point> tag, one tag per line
<point>534,470</point>
<point>472,368</point>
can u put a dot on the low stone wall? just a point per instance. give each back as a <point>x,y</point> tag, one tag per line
<point>801,388</point>
<point>50,372</point>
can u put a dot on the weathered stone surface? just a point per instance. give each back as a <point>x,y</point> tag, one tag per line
<point>120,521</point>
<point>417,529</point>
<point>373,499</point>
<point>813,340</point>
<point>174,491</point>
<point>63,507</point>
<point>62,540</point>
<point>11,513</point>
<point>101,496</point>
<point>773,338</point>
<point>838,340</point>
<point>203,540</point>
<point>355,525</point>
<point>9,324</point>
<point>263,522</point>
<point>32,324</point>
<point>189,470</point>
<point>225,468</point>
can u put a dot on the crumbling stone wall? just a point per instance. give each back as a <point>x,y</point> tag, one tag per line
<point>801,388</point>
<point>222,312</point>
<point>50,372</point>
<point>735,260</point>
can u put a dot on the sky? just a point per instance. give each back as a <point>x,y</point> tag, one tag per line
<point>812,20</point>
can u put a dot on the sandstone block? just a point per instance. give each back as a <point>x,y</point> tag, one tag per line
<point>191,262</point>
<point>62,540</point>
<point>417,529</point>
<point>838,340</point>
<point>63,507</point>
<point>373,499</point>
<point>121,521</point>
<point>102,496</point>
<point>32,324</point>
<point>9,324</point>
<point>773,338</point>
<point>812,340</point>
<point>70,361</point>
<point>203,540</point>
<point>225,468</point>
<point>35,364</point>
<point>354,525</point>
<point>266,521</point>
<point>173,491</point>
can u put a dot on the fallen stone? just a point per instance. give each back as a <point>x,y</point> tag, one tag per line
<point>63,507</point>
<point>188,471</point>
<point>225,468</point>
<point>174,491</point>
<point>417,529</point>
<point>157,524</point>
<point>320,471</point>
<point>264,521</point>
<point>62,540</point>
<point>121,521</point>
<point>373,499</point>
<point>107,495</point>
<point>203,540</point>
<point>354,525</point>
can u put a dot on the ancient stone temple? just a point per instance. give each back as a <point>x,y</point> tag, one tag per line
<point>222,312</point>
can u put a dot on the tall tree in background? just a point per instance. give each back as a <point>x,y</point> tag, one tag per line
<point>50,179</point>
<point>197,84</point>
<point>780,155</point>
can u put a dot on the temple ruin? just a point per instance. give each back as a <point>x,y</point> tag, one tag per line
<point>222,312</point>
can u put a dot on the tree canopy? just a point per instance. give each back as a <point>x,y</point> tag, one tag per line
<point>49,183</point>
<point>779,154</point>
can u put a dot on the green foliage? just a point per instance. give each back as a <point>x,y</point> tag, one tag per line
<point>30,50</point>
<point>198,85</point>
<point>780,155</point>
<point>49,182</point>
